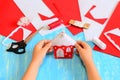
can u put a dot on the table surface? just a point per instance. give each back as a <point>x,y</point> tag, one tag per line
<point>13,66</point>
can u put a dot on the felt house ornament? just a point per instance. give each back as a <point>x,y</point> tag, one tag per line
<point>63,46</point>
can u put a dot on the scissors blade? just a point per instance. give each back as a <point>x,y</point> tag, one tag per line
<point>32,35</point>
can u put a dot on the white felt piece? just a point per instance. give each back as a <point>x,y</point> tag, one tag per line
<point>106,6</point>
<point>103,8</point>
<point>94,30</point>
<point>99,43</point>
<point>36,6</point>
<point>85,5</point>
<point>115,32</point>
<point>63,39</point>
<point>31,9</point>
<point>99,12</point>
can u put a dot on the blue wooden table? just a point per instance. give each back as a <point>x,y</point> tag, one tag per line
<point>13,66</point>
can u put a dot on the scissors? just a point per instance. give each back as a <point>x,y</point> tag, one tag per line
<point>19,47</point>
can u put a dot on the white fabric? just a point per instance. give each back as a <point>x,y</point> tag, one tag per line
<point>63,39</point>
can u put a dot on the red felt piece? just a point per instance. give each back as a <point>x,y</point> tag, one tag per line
<point>66,51</point>
<point>113,23</point>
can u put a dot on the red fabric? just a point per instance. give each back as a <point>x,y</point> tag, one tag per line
<point>66,10</point>
<point>9,15</point>
<point>113,23</point>
<point>88,14</point>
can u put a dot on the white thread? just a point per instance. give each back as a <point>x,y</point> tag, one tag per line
<point>99,43</point>
<point>8,45</point>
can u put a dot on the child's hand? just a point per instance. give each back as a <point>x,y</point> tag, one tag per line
<point>84,51</point>
<point>40,51</point>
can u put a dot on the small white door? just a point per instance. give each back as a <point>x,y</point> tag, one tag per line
<point>60,53</point>
<point>68,49</point>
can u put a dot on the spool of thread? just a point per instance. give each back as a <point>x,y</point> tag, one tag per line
<point>99,43</point>
<point>54,24</point>
<point>79,24</point>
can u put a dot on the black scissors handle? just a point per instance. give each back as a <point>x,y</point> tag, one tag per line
<point>17,47</point>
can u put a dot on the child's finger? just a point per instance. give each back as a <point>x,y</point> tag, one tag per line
<point>47,46</point>
<point>50,50</point>
<point>42,43</point>
<point>83,44</point>
<point>78,47</point>
<point>77,51</point>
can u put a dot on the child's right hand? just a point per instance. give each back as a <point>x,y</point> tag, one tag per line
<point>84,51</point>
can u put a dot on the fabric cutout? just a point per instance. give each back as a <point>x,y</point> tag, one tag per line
<point>63,46</point>
<point>66,11</point>
<point>89,15</point>
<point>9,15</point>
<point>113,36</point>
<point>113,24</point>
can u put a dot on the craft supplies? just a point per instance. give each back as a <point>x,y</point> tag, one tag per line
<point>23,21</point>
<point>99,43</point>
<point>54,24</point>
<point>19,47</point>
<point>79,24</point>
